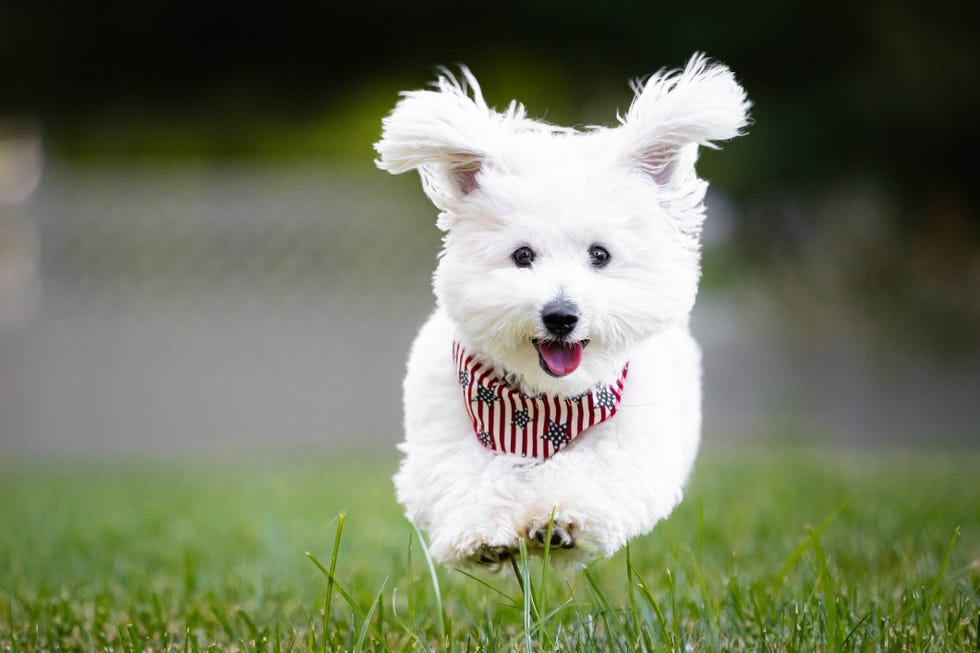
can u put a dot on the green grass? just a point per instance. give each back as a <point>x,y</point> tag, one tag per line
<point>792,549</point>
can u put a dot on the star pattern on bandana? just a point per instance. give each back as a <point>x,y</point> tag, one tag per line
<point>521,418</point>
<point>557,434</point>
<point>604,398</point>
<point>485,394</point>
<point>508,420</point>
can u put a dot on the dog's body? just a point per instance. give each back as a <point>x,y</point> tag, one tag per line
<point>570,258</point>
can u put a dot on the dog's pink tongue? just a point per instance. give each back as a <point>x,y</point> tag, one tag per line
<point>561,358</point>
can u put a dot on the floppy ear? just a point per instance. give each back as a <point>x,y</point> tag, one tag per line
<point>675,112</point>
<point>445,134</point>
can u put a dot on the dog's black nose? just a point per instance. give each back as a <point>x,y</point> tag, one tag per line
<point>560,317</point>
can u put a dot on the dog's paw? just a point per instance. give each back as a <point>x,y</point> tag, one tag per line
<point>562,534</point>
<point>492,555</point>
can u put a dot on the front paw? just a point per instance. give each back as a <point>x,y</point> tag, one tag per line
<point>562,533</point>
<point>489,556</point>
<point>488,545</point>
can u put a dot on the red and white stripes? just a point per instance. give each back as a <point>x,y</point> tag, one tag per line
<point>507,420</point>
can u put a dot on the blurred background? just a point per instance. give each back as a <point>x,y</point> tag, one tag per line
<point>197,254</point>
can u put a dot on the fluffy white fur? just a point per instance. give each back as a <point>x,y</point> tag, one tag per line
<point>502,181</point>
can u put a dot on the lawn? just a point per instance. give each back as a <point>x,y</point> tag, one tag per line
<point>785,548</point>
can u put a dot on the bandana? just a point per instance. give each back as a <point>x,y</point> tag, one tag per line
<point>509,421</point>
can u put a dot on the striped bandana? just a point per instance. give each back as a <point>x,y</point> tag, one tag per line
<point>509,421</point>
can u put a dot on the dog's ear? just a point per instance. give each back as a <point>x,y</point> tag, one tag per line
<point>675,112</point>
<point>446,134</point>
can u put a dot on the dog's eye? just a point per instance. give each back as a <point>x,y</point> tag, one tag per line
<point>523,257</point>
<point>598,256</point>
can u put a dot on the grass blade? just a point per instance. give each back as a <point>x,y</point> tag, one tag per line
<point>409,573</point>
<point>638,619</point>
<point>340,590</point>
<point>853,630</point>
<point>924,620</point>
<point>804,545</point>
<point>652,602</point>
<point>607,609</point>
<point>831,617</point>
<point>538,624</point>
<point>341,517</point>
<point>675,617</point>
<point>510,599</point>
<point>709,619</point>
<point>350,602</point>
<point>525,580</point>
<point>942,569</point>
<point>250,627</point>
<point>441,622</point>
<point>362,635</point>
<point>545,569</point>
<point>219,614</point>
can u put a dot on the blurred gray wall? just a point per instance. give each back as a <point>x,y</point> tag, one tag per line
<point>241,307</point>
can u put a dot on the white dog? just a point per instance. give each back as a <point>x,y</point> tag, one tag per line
<point>557,374</point>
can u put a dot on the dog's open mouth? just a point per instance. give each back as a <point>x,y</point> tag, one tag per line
<point>559,358</point>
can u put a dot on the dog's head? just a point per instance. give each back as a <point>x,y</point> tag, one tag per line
<point>565,247</point>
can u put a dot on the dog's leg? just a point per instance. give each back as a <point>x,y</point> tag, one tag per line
<point>483,537</point>
<point>470,519</point>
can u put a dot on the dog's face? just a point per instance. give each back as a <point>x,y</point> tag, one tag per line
<point>564,248</point>
<point>559,260</point>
